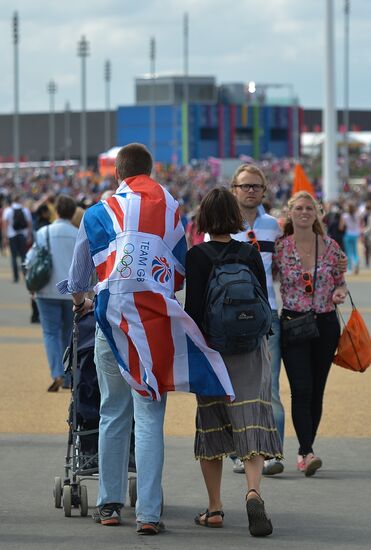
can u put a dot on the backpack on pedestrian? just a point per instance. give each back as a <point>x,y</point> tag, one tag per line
<point>19,219</point>
<point>237,313</point>
<point>39,269</point>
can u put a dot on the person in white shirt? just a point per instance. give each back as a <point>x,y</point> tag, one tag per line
<point>261,230</point>
<point>351,222</point>
<point>17,233</point>
<point>56,313</point>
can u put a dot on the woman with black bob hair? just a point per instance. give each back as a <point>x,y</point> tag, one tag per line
<point>246,426</point>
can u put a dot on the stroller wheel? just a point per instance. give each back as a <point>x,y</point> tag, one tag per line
<point>57,492</point>
<point>67,500</point>
<point>83,500</point>
<point>133,494</point>
<point>132,491</point>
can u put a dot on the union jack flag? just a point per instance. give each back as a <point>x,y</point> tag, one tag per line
<point>138,248</point>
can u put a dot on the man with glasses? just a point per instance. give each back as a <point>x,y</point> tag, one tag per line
<point>261,230</point>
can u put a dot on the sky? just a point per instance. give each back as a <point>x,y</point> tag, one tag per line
<point>267,41</point>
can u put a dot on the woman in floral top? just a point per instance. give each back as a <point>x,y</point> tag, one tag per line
<point>308,363</point>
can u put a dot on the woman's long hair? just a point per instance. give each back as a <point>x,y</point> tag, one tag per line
<point>318,228</point>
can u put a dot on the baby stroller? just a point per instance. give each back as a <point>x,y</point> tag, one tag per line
<point>81,461</point>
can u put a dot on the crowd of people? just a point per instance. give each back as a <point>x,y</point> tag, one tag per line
<point>132,244</point>
<point>39,189</point>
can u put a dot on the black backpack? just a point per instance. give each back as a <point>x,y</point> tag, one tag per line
<point>19,219</point>
<point>39,270</point>
<point>237,313</point>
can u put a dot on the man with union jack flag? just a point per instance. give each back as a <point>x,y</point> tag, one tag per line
<point>145,345</point>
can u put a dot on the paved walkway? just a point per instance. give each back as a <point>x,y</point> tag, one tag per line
<point>330,510</point>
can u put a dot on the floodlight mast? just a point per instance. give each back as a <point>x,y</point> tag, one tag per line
<point>152,58</point>
<point>83,53</point>
<point>52,89</point>
<point>16,98</point>
<point>107,120</point>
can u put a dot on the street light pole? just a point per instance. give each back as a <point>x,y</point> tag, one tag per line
<point>296,129</point>
<point>16,99</point>
<point>67,132</point>
<point>83,52</point>
<point>346,90</point>
<point>152,55</point>
<point>107,125</point>
<point>295,123</point>
<point>330,184</point>
<point>185,91</point>
<point>52,89</point>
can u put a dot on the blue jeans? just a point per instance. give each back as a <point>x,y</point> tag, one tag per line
<point>275,351</point>
<point>350,245</point>
<point>116,410</point>
<point>149,455</point>
<point>18,248</point>
<point>56,318</point>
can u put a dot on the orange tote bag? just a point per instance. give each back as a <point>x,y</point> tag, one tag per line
<point>354,347</point>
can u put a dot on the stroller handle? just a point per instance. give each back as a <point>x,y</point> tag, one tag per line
<point>76,317</point>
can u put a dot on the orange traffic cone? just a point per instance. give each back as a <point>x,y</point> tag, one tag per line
<point>301,182</point>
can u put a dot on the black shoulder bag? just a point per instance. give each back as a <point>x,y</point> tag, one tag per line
<point>303,328</point>
<point>39,270</point>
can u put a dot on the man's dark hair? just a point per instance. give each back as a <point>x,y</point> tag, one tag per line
<point>219,213</point>
<point>65,207</point>
<point>132,160</point>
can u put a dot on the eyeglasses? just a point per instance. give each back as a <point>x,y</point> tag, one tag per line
<point>307,278</point>
<point>252,239</point>
<point>250,186</point>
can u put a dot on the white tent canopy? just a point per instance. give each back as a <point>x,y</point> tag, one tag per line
<point>110,154</point>
<point>312,141</point>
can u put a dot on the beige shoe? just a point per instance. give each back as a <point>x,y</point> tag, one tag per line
<point>312,464</point>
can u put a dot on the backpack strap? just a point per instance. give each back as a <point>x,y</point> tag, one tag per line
<point>244,252</point>
<point>47,238</point>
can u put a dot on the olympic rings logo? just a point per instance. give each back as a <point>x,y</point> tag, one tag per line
<point>124,265</point>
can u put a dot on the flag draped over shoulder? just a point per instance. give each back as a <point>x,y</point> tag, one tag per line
<point>138,248</point>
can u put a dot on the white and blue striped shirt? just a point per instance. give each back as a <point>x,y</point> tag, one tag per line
<point>82,266</point>
<point>267,230</point>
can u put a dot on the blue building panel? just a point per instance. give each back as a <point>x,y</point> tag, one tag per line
<point>208,116</point>
<point>266,114</point>
<point>133,124</point>
<point>208,149</point>
<point>227,131</point>
<point>279,149</point>
<point>244,149</point>
<point>279,118</point>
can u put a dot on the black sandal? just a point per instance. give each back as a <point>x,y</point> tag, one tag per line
<point>205,522</point>
<point>259,524</point>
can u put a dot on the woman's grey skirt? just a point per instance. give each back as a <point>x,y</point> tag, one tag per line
<point>245,427</point>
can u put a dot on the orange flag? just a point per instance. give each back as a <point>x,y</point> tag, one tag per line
<point>301,182</point>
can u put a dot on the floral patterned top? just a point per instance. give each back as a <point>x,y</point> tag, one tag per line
<point>287,264</point>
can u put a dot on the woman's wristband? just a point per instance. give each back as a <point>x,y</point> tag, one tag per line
<point>79,306</point>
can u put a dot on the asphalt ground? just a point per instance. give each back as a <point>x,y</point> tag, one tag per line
<point>330,510</point>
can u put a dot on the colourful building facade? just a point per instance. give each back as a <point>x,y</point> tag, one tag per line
<point>213,130</point>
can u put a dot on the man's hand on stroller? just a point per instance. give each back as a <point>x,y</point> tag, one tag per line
<point>83,307</point>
